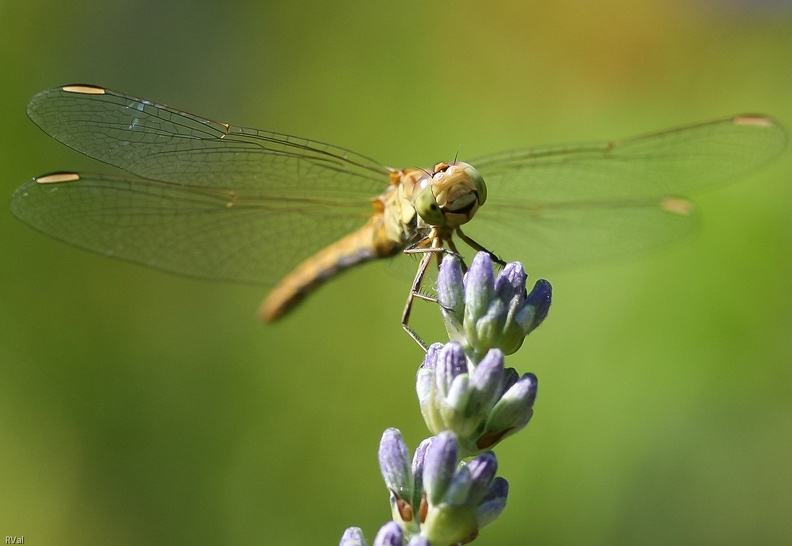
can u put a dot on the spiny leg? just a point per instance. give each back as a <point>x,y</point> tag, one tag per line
<point>415,289</point>
<point>452,249</point>
<point>478,248</point>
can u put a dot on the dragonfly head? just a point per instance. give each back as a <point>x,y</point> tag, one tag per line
<point>450,195</point>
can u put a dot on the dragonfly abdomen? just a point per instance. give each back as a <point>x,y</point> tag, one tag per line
<point>366,244</point>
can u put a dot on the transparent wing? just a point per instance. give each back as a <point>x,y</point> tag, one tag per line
<point>188,230</point>
<point>207,199</point>
<point>562,205</point>
<point>194,231</point>
<point>161,143</point>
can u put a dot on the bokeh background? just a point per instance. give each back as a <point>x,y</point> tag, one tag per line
<point>140,407</point>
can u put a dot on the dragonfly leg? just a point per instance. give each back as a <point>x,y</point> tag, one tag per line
<point>415,293</point>
<point>452,249</point>
<point>479,248</point>
<point>420,247</point>
<point>415,290</point>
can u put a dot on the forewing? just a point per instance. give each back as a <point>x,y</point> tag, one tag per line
<point>563,205</point>
<point>158,142</point>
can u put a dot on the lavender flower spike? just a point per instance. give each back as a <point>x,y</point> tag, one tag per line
<point>485,311</point>
<point>481,407</point>
<point>460,498</point>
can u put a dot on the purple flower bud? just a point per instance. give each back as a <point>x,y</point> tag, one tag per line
<point>482,470</point>
<point>511,413</point>
<point>487,380</point>
<point>394,460</point>
<point>479,285</point>
<point>389,534</point>
<point>450,285</point>
<point>440,466</point>
<point>510,283</point>
<point>493,503</point>
<point>450,363</point>
<point>353,536</point>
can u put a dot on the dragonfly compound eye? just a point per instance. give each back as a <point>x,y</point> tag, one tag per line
<point>478,181</point>
<point>427,208</point>
<point>460,177</point>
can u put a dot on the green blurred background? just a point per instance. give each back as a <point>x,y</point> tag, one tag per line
<point>140,407</point>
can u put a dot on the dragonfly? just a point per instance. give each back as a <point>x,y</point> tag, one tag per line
<point>224,202</point>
